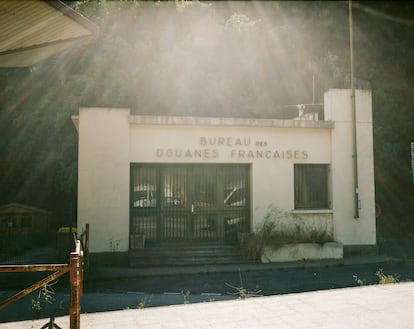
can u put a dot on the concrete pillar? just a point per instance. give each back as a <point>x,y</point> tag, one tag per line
<point>103,176</point>
<point>347,229</point>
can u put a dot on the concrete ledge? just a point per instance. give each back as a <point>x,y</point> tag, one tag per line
<point>227,122</point>
<point>302,251</point>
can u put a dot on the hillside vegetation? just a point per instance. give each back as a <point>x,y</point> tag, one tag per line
<point>228,59</point>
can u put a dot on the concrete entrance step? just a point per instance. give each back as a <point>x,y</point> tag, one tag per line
<point>186,254</point>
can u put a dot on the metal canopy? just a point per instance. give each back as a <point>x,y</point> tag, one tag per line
<point>32,31</point>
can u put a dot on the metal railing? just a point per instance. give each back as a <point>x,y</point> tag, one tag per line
<point>74,268</point>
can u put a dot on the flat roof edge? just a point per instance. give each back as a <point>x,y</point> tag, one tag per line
<point>229,122</point>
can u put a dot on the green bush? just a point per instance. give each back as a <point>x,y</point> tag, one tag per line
<point>278,228</point>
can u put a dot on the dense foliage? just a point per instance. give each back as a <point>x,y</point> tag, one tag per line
<point>235,59</point>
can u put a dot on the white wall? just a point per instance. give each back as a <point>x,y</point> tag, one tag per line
<point>349,230</point>
<point>111,139</point>
<point>103,177</point>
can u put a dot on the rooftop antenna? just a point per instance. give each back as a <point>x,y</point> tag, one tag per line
<point>302,107</point>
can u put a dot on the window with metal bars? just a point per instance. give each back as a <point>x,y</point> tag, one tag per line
<point>311,186</point>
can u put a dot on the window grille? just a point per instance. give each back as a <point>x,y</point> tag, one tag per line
<point>311,186</point>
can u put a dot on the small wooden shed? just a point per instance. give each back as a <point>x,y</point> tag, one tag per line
<point>16,218</point>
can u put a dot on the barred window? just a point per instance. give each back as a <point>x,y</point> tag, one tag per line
<point>11,222</point>
<point>311,186</point>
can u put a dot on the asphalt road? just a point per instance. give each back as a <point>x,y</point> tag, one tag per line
<point>179,289</point>
<point>270,282</point>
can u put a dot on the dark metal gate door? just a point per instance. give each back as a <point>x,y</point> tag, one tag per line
<point>189,202</point>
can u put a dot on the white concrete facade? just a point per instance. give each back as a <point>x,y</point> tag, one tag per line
<point>111,139</point>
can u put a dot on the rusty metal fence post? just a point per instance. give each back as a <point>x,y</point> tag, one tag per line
<point>76,278</point>
<point>75,269</point>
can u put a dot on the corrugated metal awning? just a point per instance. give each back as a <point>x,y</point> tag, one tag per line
<point>31,31</point>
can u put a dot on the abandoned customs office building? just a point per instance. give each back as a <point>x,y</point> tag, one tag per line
<point>197,179</point>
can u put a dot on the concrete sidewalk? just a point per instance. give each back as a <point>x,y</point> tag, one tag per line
<point>377,306</point>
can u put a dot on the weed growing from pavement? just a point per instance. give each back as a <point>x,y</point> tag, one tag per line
<point>210,299</point>
<point>145,302</point>
<point>384,278</point>
<point>186,295</point>
<point>241,291</point>
<point>358,281</point>
<point>45,296</point>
